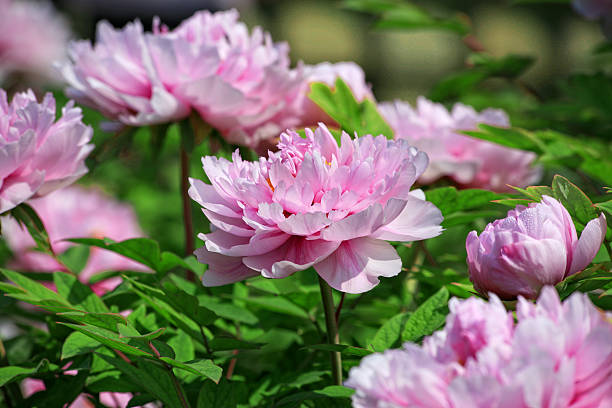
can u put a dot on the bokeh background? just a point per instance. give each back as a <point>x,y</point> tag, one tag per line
<point>398,63</point>
<point>143,170</point>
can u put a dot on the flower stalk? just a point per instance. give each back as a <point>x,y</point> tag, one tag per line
<point>332,330</point>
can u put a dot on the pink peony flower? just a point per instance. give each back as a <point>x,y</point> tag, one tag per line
<point>32,37</point>
<point>558,355</point>
<point>472,326</point>
<point>532,247</point>
<point>470,162</point>
<point>117,76</point>
<point>76,212</point>
<point>314,203</point>
<point>400,378</point>
<point>352,74</point>
<point>245,96</point>
<point>31,386</point>
<point>39,154</point>
<point>238,82</point>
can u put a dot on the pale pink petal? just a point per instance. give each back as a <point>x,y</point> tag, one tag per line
<point>222,269</point>
<point>294,255</point>
<point>588,244</point>
<point>419,219</point>
<point>356,265</point>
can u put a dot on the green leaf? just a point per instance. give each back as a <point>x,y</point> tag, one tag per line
<point>188,304</point>
<point>143,250</point>
<point>574,200</point>
<point>108,338</point>
<point>130,332</point>
<point>228,343</point>
<point>510,137</point>
<point>390,332</point>
<point>151,377</point>
<point>78,343</point>
<point>78,294</point>
<point>223,395</point>
<point>33,292</point>
<point>75,258</point>
<point>26,216</point>
<point>428,317</point>
<point>108,321</point>
<point>450,200</point>
<point>8,374</point>
<point>278,305</point>
<point>228,310</point>
<point>352,116</point>
<point>202,368</point>
<point>411,17</point>
<point>483,67</point>
<point>342,348</point>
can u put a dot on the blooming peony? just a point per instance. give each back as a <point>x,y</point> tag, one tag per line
<point>470,162</point>
<point>349,72</point>
<point>39,154</point>
<point>314,203</point>
<point>32,37</point>
<point>558,355</point>
<point>246,95</point>
<point>76,212</point>
<point>532,247</point>
<point>238,82</point>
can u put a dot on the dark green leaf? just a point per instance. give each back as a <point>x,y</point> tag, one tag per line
<point>78,294</point>
<point>427,317</point>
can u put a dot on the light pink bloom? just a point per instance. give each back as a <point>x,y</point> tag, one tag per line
<point>245,96</point>
<point>39,154</point>
<point>561,357</point>
<point>117,76</point>
<point>239,82</point>
<point>558,355</point>
<point>31,386</point>
<point>472,325</point>
<point>76,212</point>
<point>314,203</point>
<point>32,37</point>
<point>468,161</point>
<point>400,378</point>
<point>349,72</point>
<point>532,247</point>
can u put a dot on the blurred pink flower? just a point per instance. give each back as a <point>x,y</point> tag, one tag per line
<point>558,355</point>
<point>532,247</point>
<point>39,154</point>
<point>352,74</point>
<point>238,82</point>
<point>117,76</point>
<point>469,161</point>
<point>31,386</point>
<point>400,378</point>
<point>472,325</point>
<point>314,203</point>
<point>32,37</point>
<point>76,212</point>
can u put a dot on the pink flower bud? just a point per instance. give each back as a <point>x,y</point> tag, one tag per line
<point>532,247</point>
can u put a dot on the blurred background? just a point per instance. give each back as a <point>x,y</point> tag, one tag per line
<point>399,64</point>
<point>404,64</point>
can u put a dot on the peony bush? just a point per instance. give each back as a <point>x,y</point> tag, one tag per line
<point>221,219</point>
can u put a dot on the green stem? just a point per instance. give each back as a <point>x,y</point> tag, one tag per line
<point>332,330</point>
<point>608,248</point>
<point>175,382</point>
